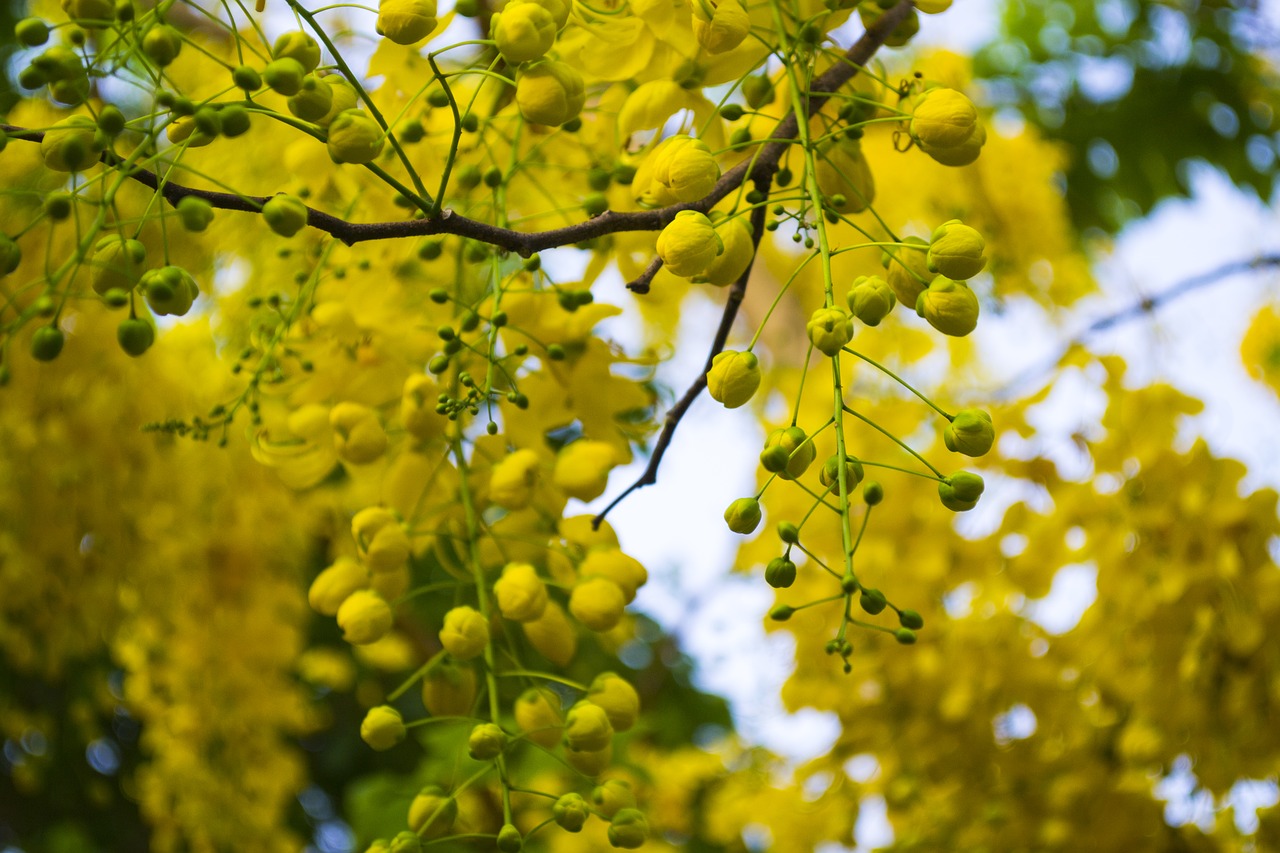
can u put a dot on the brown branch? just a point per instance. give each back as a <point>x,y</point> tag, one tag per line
<point>1141,308</point>
<point>526,243</point>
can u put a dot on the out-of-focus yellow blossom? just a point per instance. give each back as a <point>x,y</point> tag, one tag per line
<point>582,469</point>
<point>521,594</point>
<point>549,92</point>
<point>357,433</point>
<point>587,728</point>
<point>844,176</point>
<point>720,26</point>
<point>512,480</point>
<point>335,584</point>
<point>538,714</point>
<point>553,635</point>
<point>365,617</point>
<point>406,21</point>
<point>432,812</point>
<point>449,689</point>
<point>618,698</point>
<point>739,251</point>
<point>598,603</point>
<point>611,563</point>
<point>1260,348</point>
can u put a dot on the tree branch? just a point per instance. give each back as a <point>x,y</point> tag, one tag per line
<point>526,243</point>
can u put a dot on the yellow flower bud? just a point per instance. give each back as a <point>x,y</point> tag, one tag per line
<point>612,796</point>
<point>169,290</point>
<point>871,299</point>
<point>942,118</point>
<point>354,137</point>
<point>720,26</point>
<point>598,603</point>
<point>465,633</point>
<point>689,244</point>
<point>365,617</point>
<point>743,515</point>
<point>285,214</point>
<point>956,251</point>
<point>512,480</point>
<point>588,762</point>
<point>960,491</point>
<point>579,532</point>
<point>357,434</point>
<point>843,171</point>
<point>908,270</point>
<point>521,594</point>
<point>962,154</point>
<point>629,829</point>
<point>829,476</point>
<point>571,812</point>
<point>582,468</point>
<point>523,32</point>
<point>314,99</point>
<point>949,306</point>
<point>71,145</point>
<point>538,715</point>
<point>549,93</point>
<point>611,563</point>
<point>729,265</point>
<point>680,169</point>
<point>406,21</point>
<point>587,728</point>
<point>830,329</point>
<point>90,13</point>
<point>559,9</point>
<point>618,698</point>
<point>788,453</point>
<point>553,635</point>
<point>449,689</point>
<point>933,7</point>
<point>117,264</point>
<point>383,728</point>
<point>418,408</point>
<point>733,378</point>
<point>970,433</point>
<point>344,98</point>
<point>380,538</point>
<point>335,584</point>
<point>486,742</point>
<point>299,46</point>
<point>432,812</point>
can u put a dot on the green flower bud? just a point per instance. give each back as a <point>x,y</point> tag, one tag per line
<point>284,76</point>
<point>830,329</point>
<point>780,573</point>
<point>235,121</point>
<point>246,78</point>
<point>720,27</point>
<point>628,829</point>
<point>135,335</point>
<point>570,812</point>
<point>733,378</point>
<point>382,728</point>
<point>550,93</point>
<point>758,91</point>
<point>432,812</point>
<point>613,795</point>
<point>71,145</point>
<point>843,171</point>
<point>872,601</point>
<point>354,137</point>
<point>908,270</point>
<point>406,21</point>
<point>910,619</point>
<point>10,255</point>
<point>949,306</point>
<point>871,299</point>
<point>285,214</point>
<point>31,32</point>
<point>111,121</point>
<point>58,205</point>
<point>117,264</point>
<point>509,839</point>
<point>46,343</point>
<point>956,251</point>
<point>788,532</point>
<point>314,99</point>
<point>905,636</point>
<point>115,298</point>
<point>195,213</point>
<point>486,742</point>
<point>587,728</point>
<point>298,46</point>
<point>970,433</point>
<point>524,32</point>
<point>788,453</point>
<point>162,44</point>
<point>829,476</point>
<point>743,515</point>
<point>90,13</point>
<point>960,491</point>
<point>689,244</point>
<point>872,493</point>
<point>169,290</point>
<point>782,613</point>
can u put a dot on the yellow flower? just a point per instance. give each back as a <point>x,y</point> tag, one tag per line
<point>333,585</point>
<point>733,378</point>
<point>611,563</point>
<point>549,93</point>
<point>618,698</point>
<point>689,244</point>
<point>299,46</point>
<point>949,306</point>
<point>956,251</point>
<point>587,728</point>
<point>512,480</point>
<point>830,329</point>
<point>729,265</point>
<point>406,21</point>
<point>871,299</point>
<point>582,469</point>
<point>523,32</point>
<point>571,812</point>
<point>354,137</point>
<point>680,169</point>
<point>382,728</point>
<point>598,603</point>
<point>553,635</point>
<point>418,408</point>
<point>629,829</point>
<point>380,538</point>
<point>720,26</point>
<point>844,177</point>
<point>486,742</point>
<point>908,270</point>
<point>449,689</point>
<point>357,433</point>
<point>432,812</point>
<point>365,617</point>
<point>538,715</point>
<point>521,594</point>
<point>943,118</point>
<point>612,796</point>
<point>465,633</point>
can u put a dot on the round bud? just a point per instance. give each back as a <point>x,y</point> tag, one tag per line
<point>782,613</point>
<point>872,492</point>
<point>486,742</point>
<point>910,619</point>
<point>788,452</point>
<point>313,100</point>
<point>743,515</point>
<point>195,213</point>
<point>628,829</point>
<point>509,839</point>
<point>872,601</point>
<point>58,205</point>
<point>246,78</point>
<point>871,299</point>
<point>970,433</point>
<point>285,214</point>
<point>829,476</point>
<point>298,46</point>
<point>406,22</point>
<point>382,728</point>
<point>549,92</point>
<point>354,137</point>
<point>465,633</point>
<point>956,251</point>
<point>780,573</point>
<point>10,255</point>
<point>135,335</point>
<point>523,32</point>
<point>612,796</point>
<point>905,636</point>
<point>788,532</point>
<point>31,32</point>
<point>587,728</point>
<point>960,491</point>
<point>235,120</point>
<point>162,44</point>
<point>47,343</point>
<point>758,91</point>
<point>829,330</point>
<point>733,378</point>
<point>949,306</point>
<point>618,698</point>
<point>71,145</point>
<point>284,76</point>
<point>111,121</point>
<point>365,617</point>
<point>570,812</point>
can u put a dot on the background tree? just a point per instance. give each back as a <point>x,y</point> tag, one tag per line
<point>306,397</point>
